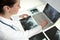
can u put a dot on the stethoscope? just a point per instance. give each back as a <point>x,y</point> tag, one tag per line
<point>7,25</point>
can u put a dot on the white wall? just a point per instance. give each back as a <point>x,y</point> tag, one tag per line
<point>28,4</point>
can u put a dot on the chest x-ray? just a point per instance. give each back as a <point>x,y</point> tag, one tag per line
<point>51,13</point>
<point>28,23</point>
<point>53,33</point>
<point>39,36</point>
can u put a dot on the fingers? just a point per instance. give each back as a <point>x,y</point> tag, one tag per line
<point>23,16</point>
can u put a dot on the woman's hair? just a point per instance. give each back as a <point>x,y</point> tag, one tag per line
<point>3,3</point>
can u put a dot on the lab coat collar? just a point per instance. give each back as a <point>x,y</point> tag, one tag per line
<point>5,20</point>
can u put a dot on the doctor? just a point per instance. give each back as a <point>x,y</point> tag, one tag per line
<point>8,28</point>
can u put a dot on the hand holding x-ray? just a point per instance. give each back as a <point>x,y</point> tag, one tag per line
<point>23,16</point>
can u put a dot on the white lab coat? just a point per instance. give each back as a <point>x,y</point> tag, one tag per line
<point>7,33</point>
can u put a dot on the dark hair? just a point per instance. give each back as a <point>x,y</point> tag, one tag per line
<point>9,3</point>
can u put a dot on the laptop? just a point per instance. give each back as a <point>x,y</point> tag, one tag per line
<point>49,13</point>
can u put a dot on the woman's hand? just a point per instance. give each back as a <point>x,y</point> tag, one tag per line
<point>44,23</point>
<point>23,16</point>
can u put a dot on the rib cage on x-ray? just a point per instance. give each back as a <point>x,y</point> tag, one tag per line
<point>51,13</point>
<point>28,23</point>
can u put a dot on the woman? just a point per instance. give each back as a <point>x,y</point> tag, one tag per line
<point>8,28</point>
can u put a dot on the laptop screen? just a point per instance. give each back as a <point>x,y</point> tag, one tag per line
<point>51,13</point>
